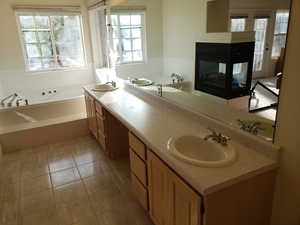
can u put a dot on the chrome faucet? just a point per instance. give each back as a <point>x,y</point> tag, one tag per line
<point>13,96</point>
<point>113,83</point>
<point>251,127</point>
<point>160,90</point>
<point>18,101</point>
<point>217,137</point>
<point>178,77</point>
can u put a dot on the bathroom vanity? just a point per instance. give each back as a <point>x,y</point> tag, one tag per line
<point>175,192</point>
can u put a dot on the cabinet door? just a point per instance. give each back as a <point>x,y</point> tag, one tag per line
<point>87,105</point>
<point>91,114</point>
<point>184,203</point>
<point>88,110</point>
<point>157,186</point>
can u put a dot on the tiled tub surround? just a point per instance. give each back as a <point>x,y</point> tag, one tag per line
<point>69,183</point>
<point>155,122</point>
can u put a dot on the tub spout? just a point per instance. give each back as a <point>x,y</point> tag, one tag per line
<point>13,96</point>
<point>18,101</point>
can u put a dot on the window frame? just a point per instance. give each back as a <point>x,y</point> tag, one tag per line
<point>273,57</point>
<point>238,18</point>
<point>143,35</point>
<point>23,43</point>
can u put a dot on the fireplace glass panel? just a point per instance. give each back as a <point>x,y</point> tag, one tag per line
<point>213,74</point>
<point>239,78</point>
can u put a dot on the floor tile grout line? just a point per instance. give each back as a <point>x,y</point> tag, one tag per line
<point>113,169</point>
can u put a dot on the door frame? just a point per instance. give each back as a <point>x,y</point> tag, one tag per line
<point>251,14</point>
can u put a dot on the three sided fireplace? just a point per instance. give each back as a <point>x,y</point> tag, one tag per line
<point>224,70</point>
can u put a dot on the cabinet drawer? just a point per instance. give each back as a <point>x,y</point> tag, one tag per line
<point>101,140</point>
<point>99,108</point>
<point>139,191</point>
<point>100,124</point>
<point>138,167</point>
<point>137,146</point>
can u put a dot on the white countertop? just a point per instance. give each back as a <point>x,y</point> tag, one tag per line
<point>155,123</point>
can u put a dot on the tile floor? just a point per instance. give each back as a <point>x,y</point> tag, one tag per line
<point>69,183</point>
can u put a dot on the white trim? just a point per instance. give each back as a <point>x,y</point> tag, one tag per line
<point>127,9</point>
<point>97,18</point>
<point>143,36</point>
<point>22,42</point>
<point>47,8</point>
<point>97,6</point>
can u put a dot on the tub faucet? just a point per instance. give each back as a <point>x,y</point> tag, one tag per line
<point>113,83</point>
<point>160,90</point>
<point>217,137</point>
<point>178,77</point>
<point>8,97</point>
<point>18,101</point>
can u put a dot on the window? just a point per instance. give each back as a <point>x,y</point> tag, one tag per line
<point>128,42</point>
<point>260,28</point>
<point>281,27</point>
<point>51,41</point>
<point>238,24</point>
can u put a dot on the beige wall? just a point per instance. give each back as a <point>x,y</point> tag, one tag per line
<point>182,25</point>
<point>217,16</point>
<point>287,197</point>
<point>12,66</point>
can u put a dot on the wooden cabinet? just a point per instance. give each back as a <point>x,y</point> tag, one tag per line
<point>172,202</point>
<point>137,146</point>
<point>138,167</point>
<point>91,114</point>
<point>158,175</point>
<point>101,126</point>
<point>139,191</point>
<point>111,134</point>
<point>117,142</point>
<point>184,203</point>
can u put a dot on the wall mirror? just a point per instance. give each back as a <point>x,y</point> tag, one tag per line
<point>227,53</point>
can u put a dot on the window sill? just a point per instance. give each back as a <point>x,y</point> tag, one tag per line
<point>57,70</point>
<point>130,64</point>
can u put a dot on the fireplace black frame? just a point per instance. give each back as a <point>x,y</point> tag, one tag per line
<point>228,54</point>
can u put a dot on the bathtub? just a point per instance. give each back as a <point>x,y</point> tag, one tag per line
<point>48,119</point>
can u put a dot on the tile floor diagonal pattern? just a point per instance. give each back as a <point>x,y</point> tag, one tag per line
<point>69,183</point>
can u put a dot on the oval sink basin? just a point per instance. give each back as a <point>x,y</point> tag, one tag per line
<point>141,82</point>
<point>104,87</point>
<point>199,152</point>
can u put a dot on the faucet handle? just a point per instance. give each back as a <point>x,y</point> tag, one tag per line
<point>212,131</point>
